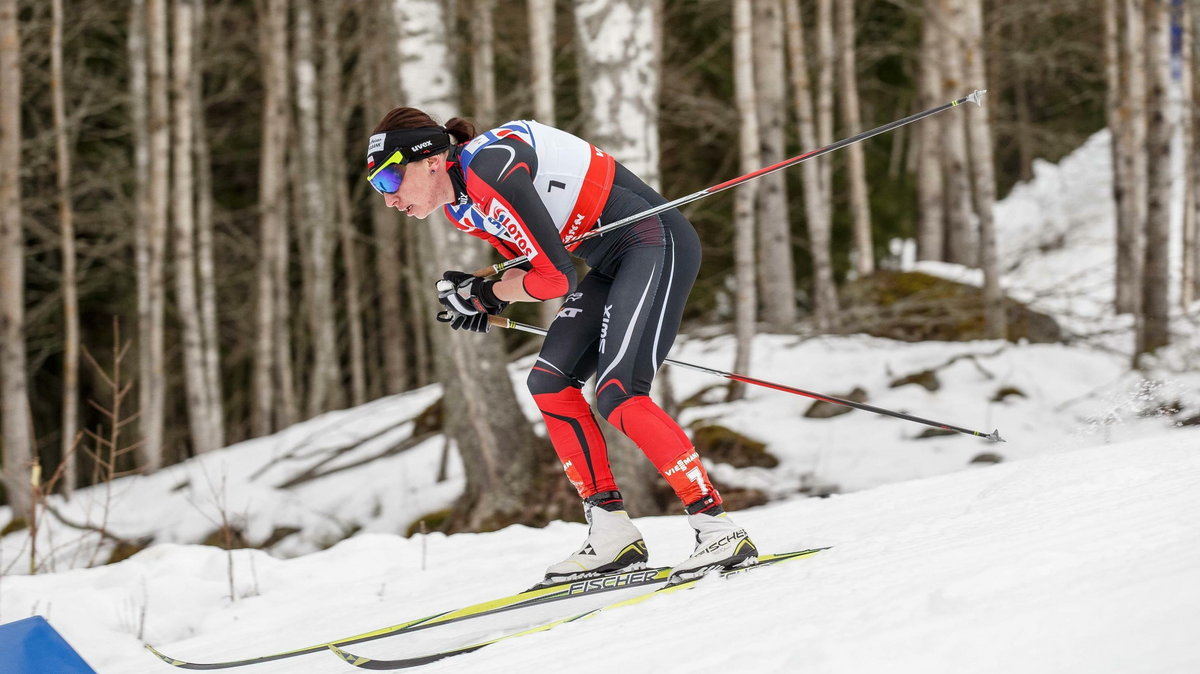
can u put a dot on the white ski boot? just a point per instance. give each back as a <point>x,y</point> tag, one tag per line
<point>720,544</point>
<point>613,544</point>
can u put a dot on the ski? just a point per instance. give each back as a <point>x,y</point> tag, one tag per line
<point>407,663</point>
<point>534,596</point>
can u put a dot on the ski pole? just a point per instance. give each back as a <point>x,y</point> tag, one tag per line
<point>974,97</point>
<point>994,436</point>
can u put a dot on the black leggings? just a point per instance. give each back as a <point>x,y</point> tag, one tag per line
<point>622,319</point>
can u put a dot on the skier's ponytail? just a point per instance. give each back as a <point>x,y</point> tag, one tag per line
<point>462,129</point>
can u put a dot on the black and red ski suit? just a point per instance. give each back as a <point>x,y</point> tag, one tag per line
<point>524,187</point>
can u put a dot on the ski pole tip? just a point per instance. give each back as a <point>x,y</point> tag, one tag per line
<point>995,436</point>
<point>976,96</point>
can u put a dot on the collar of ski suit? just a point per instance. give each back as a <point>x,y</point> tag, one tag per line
<point>456,169</point>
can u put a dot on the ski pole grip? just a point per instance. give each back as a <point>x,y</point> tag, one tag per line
<point>486,271</point>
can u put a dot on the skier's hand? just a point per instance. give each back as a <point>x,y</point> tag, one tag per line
<point>474,322</point>
<point>467,295</point>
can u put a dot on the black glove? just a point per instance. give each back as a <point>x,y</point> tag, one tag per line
<point>474,322</point>
<point>467,295</point>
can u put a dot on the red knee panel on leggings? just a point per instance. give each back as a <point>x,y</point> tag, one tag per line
<point>577,440</point>
<point>666,445</point>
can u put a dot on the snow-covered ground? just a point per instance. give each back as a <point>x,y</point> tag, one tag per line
<point>1076,553</point>
<point>1074,561</point>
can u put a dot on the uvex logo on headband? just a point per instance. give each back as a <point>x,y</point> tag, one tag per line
<point>412,144</point>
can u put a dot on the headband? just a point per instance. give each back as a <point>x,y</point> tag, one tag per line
<point>412,144</point>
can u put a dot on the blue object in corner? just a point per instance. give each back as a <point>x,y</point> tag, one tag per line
<point>32,646</point>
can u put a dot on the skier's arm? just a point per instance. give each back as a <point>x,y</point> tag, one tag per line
<point>511,287</point>
<point>500,181</point>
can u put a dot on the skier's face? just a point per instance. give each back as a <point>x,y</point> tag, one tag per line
<point>424,189</point>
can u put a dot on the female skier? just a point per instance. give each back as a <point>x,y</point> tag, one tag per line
<point>525,187</point>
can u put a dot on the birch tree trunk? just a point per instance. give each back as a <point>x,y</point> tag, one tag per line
<point>825,74</point>
<point>381,84</point>
<point>931,195</point>
<point>14,397</point>
<point>325,377</point>
<point>204,238</point>
<point>153,377</point>
<point>183,211</point>
<point>1020,85</point>
<point>1188,132</point>
<point>745,196</point>
<point>1130,235</point>
<point>541,60</point>
<point>1153,327</point>
<point>143,214</point>
<point>425,368</point>
<point>66,217</point>
<point>504,461</point>
<point>960,244</point>
<point>817,209</point>
<point>775,266</point>
<point>388,268</point>
<point>856,164</point>
<point>273,38</point>
<point>334,122</point>
<point>1117,115</point>
<point>619,71</point>
<point>1194,120</point>
<point>287,409</point>
<point>979,131</point>
<point>483,61</point>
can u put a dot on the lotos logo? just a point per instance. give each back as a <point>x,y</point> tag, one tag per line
<point>574,297</point>
<point>504,220</point>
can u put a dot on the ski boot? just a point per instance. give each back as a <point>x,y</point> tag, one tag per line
<point>613,543</point>
<point>720,544</point>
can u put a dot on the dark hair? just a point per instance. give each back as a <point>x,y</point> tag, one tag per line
<point>412,118</point>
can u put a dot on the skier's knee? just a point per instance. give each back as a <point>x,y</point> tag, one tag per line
<point>542,379</point>
<point>609,397</point>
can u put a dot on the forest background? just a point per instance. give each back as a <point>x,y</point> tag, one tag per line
<point>190,257</point>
